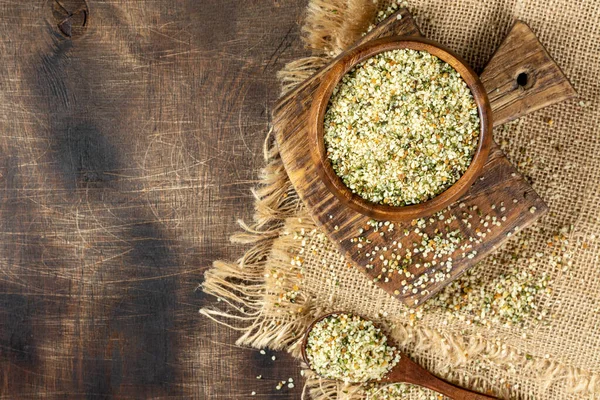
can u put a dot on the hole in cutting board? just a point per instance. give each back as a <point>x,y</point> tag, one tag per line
<point>524,79</point>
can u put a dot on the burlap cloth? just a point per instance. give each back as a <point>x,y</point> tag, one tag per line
<point>525,323</point>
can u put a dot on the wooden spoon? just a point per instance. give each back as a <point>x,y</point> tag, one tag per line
<point>408,371</point>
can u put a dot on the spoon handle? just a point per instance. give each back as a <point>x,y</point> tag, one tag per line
<point>408,371</point>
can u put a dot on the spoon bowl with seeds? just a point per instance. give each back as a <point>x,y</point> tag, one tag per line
<point>400,128</point>
<point>349,348</point>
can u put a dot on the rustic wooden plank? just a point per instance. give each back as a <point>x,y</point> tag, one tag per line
<point>128,147</point>
<point>522,77</point>
<point>514,202</point>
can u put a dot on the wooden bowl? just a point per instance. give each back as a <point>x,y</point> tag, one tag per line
<point>319,154</point>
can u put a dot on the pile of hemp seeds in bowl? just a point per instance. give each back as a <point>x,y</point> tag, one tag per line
<point>401,127</point>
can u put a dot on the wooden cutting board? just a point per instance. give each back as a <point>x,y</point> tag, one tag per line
<point>520,78</point>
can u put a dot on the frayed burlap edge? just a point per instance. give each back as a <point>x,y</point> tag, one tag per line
<point>243,286</point>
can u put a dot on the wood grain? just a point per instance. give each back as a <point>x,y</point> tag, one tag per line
<point>500,193</point>
<point>128,148</point>
<point>408,371</point>
<point>522,77</point>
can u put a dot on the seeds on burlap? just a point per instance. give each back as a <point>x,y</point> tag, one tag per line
<point>349,348</point>
<point>401,127</point>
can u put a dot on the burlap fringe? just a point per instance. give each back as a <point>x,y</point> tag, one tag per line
<point>243,286</point>
<point>298,71</point>
<point>348,19</point>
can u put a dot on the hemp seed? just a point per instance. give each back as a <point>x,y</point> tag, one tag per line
<point>349,348</point>
<point>401,127</point>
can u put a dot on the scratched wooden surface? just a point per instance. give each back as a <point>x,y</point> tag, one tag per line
<point>130,135</point>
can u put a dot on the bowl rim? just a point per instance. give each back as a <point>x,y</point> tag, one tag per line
<point>316,129</point>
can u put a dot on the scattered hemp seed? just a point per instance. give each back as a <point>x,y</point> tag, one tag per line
<point>253,394</point>
<point>400,391</point>
<point>513,298</point>
<point>401,127</point>
<point>349,348</point>
<point>273,358</point>
<point>392,8</point>
<point>383,14</point>
<point>263,352</point>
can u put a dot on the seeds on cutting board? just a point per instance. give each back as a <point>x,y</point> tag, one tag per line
<point>512,298</point>
<point>401,127</point>
<point>431,247</point>
<point>349,348</point>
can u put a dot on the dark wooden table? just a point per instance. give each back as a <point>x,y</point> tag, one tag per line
<point>130,135</point>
